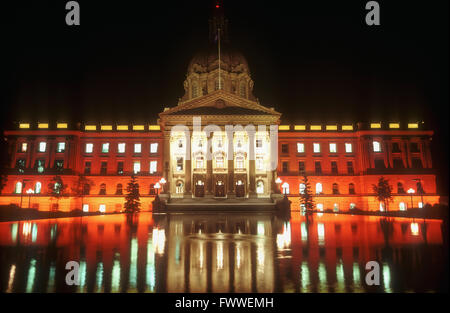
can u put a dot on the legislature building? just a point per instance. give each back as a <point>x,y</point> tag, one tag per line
<point>219,144</point>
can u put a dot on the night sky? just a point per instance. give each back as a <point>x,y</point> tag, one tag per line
<point>313,62</point>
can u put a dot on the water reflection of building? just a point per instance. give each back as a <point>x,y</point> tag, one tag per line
<point>225,254</point>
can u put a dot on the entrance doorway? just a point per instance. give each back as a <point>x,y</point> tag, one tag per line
<point>220,189</point>
<point>199,188</point>
<point>240,189</point>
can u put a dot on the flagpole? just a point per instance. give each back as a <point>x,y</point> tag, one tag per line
<point>220,83</point>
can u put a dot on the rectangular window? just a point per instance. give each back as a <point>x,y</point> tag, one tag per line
<point>137,148</point>
<point>301,167</point>
<point>20,165</point>
<point>348,147</point>
<point>103,168</point>
<point>414,147</point>
<point>85,207</point>
<point>105,148</point>
<point>89,148</point>
<point>396,147</point>
<point>333,148</point>
<point>180,164</point>
<point>39,165</point>
<point>154,147</point>
<point>102,208</point>
<point>318,168</point>
<point>120,168</point>
<point>376,146</point>
<point>121,148</point>
<point>316,147</point>
<point>220,163</point>
<point>239,162</point>
<point>61,147</point>
<point>259,163</point>
<point>285,167</point>
<point>87,168</point>
<point>350,169</point>
<point>300,147</point>
<point>284,148</point>
<point>153,166</point>
<point>59,165</point>
<point>42,146</point>
<point>23,147</point>
<point>136,167</point>
<point>334,168</point>
<point>259,143</point>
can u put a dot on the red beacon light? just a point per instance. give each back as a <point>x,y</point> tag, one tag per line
<point>217,6</point>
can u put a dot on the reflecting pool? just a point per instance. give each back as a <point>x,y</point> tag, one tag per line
<point>223,252</point>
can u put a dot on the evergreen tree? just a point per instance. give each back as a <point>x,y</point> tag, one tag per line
<point>132,203</point>
<point>306,195</point>
<point>383,191</point>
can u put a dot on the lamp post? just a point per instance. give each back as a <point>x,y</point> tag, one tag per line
<point>411,192</point>
<point>29,192</point>
<point>278,181</point>
<point>157,186</point>
<point>163,181</point>
<point>419,188</point>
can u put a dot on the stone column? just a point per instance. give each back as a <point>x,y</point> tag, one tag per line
<point>167,159</point>
<point>230,167</point>
<point>209,187</point>
<point>187,178</point>
<point>251,163</point>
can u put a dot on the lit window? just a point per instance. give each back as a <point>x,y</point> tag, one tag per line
<point>335,207</point>
<point>180,164</point>
<point>39,165</point>
<point>105,148</point>
<point>219,162</point>
<point>42,146</point>
<point>85,207</point>
<point>38,187</point>
<point>348,147</point>
<point>89,147</point>
<point>136,167</point>
<point>24,147</point>
<point>381,206</point>
<point>318,188</point>
<point>316,147</point>
<point>179,187</point>
<point>121,148</point>
<point>240,162</point>
<point>259,163</point>
<point>420,205</point>
<point>153,147</point>
<point>302,188</point>
<point>18,188</point>
<point>319,206</point>
<point>199,162</point>
<point>137,148</point>
<point>300,147</point>
<point>260,187</point>
<point>376,146</point>
<point>153,166</point>
<point>285,187</point>
<point>352,206</point>
<point>402,206</point>
<point>61,147</point>
<point>102,208</point>
<point>333,148</point>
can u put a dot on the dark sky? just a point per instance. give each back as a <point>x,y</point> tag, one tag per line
<point>312,61</point>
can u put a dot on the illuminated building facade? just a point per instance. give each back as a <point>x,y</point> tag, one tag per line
<point>199,158</point>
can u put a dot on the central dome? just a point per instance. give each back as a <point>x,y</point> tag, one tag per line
<point>207,60</point>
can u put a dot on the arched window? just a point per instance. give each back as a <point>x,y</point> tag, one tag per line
<point>38,187</point>
<point>152,190</point>
<point>318,188</point>
<point>179,187</point>
<point>240,162</point>
<point>86,189</point>
<point>302,188</point>
<point>18,188</point>
<point>402,206</point>
<point>260,187</point>
<point>400,188</point>
<point>285,187</point>
<point>119,189</point>
<point>335,189</point>
<point>194,90</point>
<point>351,188</point>
<point>102,189</point>
<point>242,90</point>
